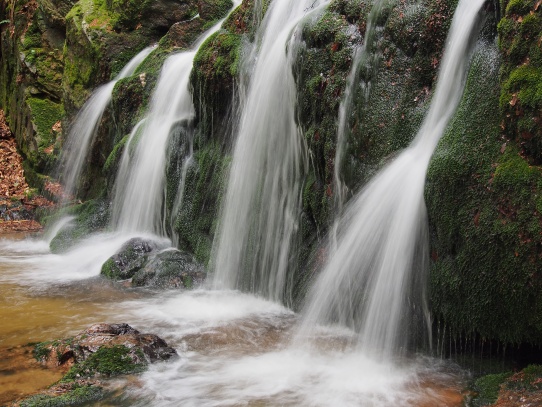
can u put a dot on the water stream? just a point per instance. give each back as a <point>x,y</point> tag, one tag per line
<point>85,126</point>
<point>374,282</point>
<point>139,198</point>
<point>244,348</point>
<point>259,218</point>
<point>234,348</point>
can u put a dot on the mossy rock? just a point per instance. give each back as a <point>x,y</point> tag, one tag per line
<point>170,269</point>
<point>507,389</point>
<point>45,116</point>
<point>130,258</point>
<point>216,68</point>
<point>211,10</point>
<point>108,362</point>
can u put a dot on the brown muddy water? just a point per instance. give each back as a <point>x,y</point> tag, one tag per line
<point>234,348</point>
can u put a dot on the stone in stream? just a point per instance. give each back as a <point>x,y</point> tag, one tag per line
<point>98,353</point>
<point>131,257</point>
<point>142,261</point>
<point>123,349</point>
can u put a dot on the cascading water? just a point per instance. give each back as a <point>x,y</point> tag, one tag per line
<point>85,126</point>
<point>139,187</point>
<point>259,217</point>
<point>374,279</point>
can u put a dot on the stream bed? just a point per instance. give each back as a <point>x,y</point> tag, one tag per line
<point>235,349</point>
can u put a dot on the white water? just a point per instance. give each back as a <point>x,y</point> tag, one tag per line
<point>83,131</point>
<point>234,351</point>
<point>83,261</point>
<point>373,282</point>
<point>138,203</point>
<point>260,212</point>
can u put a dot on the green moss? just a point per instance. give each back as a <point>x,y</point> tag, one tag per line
<point>213,78</point>
<point>109,362</point>
<point>196,221</point>
<point>127,13</point>
<point>482,198</point>
<point>213,10</point>
<point>42,350</point>
<point>110,269</point>
<point>45,114</point>
<point>32,37</point>
<point>154,62</point>
<point>77,396</point>
<point>219,55</point>
<point>519,7</point>
<point>521,76</point>
<point>487,388</point>
<point>113,159</point>
<point>526,83</point>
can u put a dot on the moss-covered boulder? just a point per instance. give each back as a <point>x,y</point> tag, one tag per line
<point>131,258</point>
<point>170,269</point>
<point>214,9</point>
<point>99,353</point>
<point>104,349</point>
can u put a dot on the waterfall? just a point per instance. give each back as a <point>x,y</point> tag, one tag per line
<point>139,187</point>
<point>374,281</point>
<point>86,123</point>
<point>259,215</point>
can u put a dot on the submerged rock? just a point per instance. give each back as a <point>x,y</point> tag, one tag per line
<point>170,269</point>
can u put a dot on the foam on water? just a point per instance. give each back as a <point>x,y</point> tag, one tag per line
<point>38,266</point>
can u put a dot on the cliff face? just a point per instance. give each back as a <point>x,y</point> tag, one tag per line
<point>484,184</point>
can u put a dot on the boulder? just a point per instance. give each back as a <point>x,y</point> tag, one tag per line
<point>170,269</point>
<point>131,258</point>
